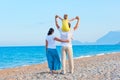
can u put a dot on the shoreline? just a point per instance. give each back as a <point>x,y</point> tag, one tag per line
<point>87,68</point>
<point>99,54</point>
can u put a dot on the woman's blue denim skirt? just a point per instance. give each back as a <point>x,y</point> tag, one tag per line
<point>53,59</point>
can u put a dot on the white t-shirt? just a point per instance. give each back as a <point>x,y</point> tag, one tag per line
<point>51,41</point>
<point>66,36</point>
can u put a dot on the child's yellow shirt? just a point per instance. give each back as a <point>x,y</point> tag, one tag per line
<point>65,26</point>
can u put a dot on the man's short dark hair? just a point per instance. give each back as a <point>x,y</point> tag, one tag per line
<point>69,25</point>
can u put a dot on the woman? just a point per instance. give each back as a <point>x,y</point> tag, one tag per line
<point>53,59</point>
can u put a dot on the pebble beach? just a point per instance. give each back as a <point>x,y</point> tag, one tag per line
<point>102,67</point>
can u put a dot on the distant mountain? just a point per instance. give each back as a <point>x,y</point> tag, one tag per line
<point>118,43</point>
<point>112,37</point>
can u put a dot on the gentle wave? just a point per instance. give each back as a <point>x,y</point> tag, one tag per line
<point>100,54</point>
<point>36,55</point>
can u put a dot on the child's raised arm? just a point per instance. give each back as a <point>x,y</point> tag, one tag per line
<point>72,19</point>
<point>59,17</point>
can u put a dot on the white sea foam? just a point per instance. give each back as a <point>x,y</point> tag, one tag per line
<point>96,55</point>
<point>25,65</point>
<point>83,56</point>
<point>100,54</point>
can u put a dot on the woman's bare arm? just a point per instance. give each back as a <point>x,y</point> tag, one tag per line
<point>46,44</point>
<point>60,40</point>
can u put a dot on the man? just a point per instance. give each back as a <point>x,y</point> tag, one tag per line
<point>67,47</point>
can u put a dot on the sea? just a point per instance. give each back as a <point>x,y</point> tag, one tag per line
<point>17,56</point>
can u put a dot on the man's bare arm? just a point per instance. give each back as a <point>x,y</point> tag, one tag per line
<point>56,22</point>
<point>76,26</point>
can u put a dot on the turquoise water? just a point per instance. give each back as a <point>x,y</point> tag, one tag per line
<point>21,56</point>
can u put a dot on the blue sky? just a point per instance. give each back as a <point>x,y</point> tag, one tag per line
<point>26,22</point>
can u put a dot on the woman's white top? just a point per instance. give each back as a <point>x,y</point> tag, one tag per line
<point>51,41</point>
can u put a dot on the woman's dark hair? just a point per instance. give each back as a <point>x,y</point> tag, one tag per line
<point>51,30</point>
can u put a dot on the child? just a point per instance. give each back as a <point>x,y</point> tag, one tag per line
<point>65,21</point>
<point>51,52</point>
